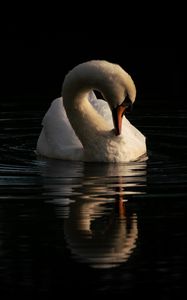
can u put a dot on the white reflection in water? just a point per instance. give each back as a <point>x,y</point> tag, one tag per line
<point>99,229</point>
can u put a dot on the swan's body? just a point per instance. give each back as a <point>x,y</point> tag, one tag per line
<point>78,126</point>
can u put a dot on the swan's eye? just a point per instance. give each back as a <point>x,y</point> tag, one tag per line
<point>127,103</point>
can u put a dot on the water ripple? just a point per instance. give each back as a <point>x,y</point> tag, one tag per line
<point>122,226</point>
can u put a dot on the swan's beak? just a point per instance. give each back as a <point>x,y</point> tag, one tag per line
<point>117,114</point>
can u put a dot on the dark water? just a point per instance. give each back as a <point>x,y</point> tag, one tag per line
<point>93,229</point>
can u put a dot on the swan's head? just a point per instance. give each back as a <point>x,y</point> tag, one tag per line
<point>119,90</point>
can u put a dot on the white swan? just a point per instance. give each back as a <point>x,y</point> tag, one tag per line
<point>78,126</point>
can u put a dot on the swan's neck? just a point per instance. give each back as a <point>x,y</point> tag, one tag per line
<point>85,120</point>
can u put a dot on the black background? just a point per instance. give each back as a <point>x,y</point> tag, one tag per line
<point>34,61</point>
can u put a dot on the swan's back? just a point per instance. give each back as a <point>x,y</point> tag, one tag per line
<point>57,138</point>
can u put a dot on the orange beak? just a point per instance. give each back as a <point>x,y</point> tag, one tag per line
<point>117,114</point>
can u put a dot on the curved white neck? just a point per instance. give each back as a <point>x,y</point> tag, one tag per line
<point>93,75</point>
<point>83,117</point>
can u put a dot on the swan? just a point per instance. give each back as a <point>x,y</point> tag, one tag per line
<point>78,126</point>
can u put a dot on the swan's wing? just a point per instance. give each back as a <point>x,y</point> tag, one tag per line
<point>102,107</point>
<point>57,134</point>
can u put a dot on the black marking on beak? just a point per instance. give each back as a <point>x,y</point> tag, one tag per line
<point>127,103</point>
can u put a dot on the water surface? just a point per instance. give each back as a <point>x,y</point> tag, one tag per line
<point>93,229</point>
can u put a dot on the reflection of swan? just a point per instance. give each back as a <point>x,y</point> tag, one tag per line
<point>99,228</point>
<point>91,119</point>
<point>100,236</point>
